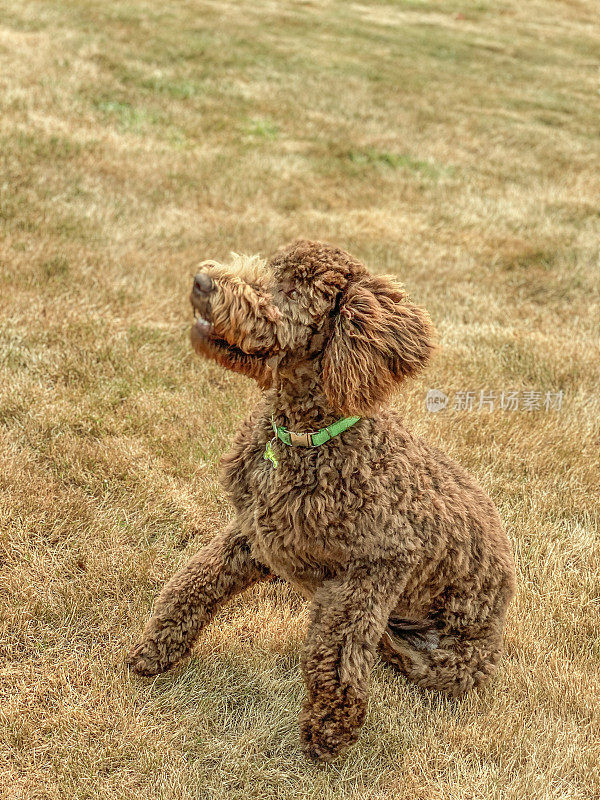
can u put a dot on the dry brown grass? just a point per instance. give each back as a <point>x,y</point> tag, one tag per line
<point>455,144</point>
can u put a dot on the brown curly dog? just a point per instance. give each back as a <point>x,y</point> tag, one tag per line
<point>397,547</point>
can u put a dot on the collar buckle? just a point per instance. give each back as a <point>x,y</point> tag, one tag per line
<point>300,439</point>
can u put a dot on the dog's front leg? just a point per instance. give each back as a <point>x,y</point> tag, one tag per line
<point>189,600</point>
<point>348,618</point>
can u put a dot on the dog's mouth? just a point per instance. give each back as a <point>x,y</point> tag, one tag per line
<point>204,337</point>
<point>202,326</point>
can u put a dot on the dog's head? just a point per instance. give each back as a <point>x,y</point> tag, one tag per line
<point>311,303</point>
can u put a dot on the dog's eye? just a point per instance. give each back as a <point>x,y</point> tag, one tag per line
<point>292,294</point>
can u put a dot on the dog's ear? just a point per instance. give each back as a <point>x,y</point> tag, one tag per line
<point>378,339</point>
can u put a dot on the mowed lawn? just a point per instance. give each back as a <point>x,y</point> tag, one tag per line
<point>454,144</point>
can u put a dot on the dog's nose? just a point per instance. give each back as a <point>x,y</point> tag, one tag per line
<point>203,283</point>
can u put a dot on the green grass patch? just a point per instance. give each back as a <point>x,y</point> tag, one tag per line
<point>262,129</point>
<point>127,116</point>
<point>371,157</point>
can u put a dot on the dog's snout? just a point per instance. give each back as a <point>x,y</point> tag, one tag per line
<point>203,283</point>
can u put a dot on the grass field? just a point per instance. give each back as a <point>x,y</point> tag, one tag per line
<point>455,144</point>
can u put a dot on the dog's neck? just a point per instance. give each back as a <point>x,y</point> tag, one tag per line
<point>298,400</point>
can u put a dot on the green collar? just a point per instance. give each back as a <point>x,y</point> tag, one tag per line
<point>315,438</point>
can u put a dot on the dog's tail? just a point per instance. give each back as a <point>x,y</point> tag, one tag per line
<point>405,634</point>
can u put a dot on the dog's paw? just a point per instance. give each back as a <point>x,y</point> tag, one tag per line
<point>324,736</point>
<point>152,656</point>
<point>320,750</point>
<point>145,659</point>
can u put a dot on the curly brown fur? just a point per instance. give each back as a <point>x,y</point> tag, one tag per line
<point>395,545</point>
